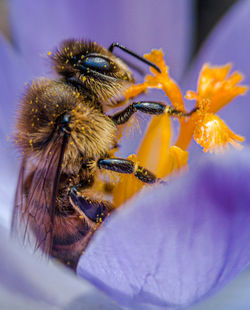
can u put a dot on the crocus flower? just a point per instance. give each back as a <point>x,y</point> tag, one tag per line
<point>171,245</point>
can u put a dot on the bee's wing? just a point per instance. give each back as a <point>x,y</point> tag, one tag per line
<point>34,209</point>
<point>19,198</point>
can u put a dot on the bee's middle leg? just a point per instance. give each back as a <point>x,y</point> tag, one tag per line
<point>122,165</point>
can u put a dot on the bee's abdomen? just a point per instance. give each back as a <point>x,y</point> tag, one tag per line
<point>71,237</point>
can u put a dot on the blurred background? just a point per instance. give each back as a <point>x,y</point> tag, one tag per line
<point>207,14</point>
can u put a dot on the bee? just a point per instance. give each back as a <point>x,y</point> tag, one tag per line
<point>66,137</point>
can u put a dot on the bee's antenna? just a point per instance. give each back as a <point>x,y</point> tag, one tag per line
<point>115,44</point>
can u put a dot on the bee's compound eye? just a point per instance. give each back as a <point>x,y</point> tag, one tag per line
<point>96,63</point>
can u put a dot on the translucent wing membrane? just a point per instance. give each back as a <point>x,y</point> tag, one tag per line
<point>34,208</point>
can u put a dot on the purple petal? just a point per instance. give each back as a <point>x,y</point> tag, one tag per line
<point>26,278</point>
<point>141,25</point>
<point>13,75</point>
<point>229,42</point>
<point>233,296</point>
<point>175,244</point>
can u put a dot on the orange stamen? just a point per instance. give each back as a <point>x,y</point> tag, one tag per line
<point>215,89</point>
<point>214,135</point>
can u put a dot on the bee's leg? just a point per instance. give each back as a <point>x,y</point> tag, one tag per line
<point>94,209</point>
<point>121,165</point>
<point>148,107</point>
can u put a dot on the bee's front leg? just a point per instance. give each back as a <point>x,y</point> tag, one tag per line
<point>122,165</point>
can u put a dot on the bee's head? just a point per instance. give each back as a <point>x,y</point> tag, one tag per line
<point>93,68</point>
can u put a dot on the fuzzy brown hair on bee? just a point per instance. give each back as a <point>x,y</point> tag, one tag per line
<point>66,139</point>
<point>91,131</point>
<point>93,68</point>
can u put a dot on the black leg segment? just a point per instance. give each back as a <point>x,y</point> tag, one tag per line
<point>148,107</point>
<point>173,112</point>
<point>127,166</point>
<point>93,209</point>
<point>145,175</point>
<point>117,164</point>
